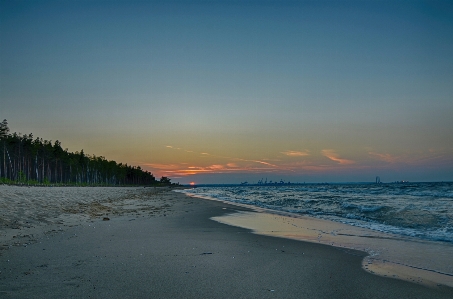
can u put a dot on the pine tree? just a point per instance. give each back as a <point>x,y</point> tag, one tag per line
<point>24,160</point>
<point>4,130</point>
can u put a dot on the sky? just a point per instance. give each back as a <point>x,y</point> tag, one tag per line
<point>234,91</point>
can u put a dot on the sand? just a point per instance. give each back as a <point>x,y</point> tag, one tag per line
<point>26,213</point>
<point>160,244</point>
<point>421,261</point>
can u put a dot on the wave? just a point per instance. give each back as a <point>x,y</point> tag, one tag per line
<point>422,210</point>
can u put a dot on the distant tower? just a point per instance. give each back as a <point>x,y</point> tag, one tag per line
<point>378,180</point>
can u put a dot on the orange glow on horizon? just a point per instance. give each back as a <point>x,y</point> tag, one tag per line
<point>295,163</point>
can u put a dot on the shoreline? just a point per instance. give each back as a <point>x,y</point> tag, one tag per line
<point>177,251</point>
<point>388,254</point>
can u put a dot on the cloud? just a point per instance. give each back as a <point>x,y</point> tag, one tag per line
<point>182,169</point>
<point>384,157</point>
<point>332,155</point>
<point>257,161</point>
<point>162,166</point>
<point>229,158</point>
<point>216,167</point>
<point>295,153</point>
<point>437,156</point>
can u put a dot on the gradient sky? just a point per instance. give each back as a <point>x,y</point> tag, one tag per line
<point>232,91</point>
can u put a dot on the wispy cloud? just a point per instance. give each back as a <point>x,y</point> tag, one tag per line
<point>181,170</point>
<point>233,159</point>
<point>178,148</point>
<point>430,156</point>
<point>384,157</point>
<point>163,166</point>
<point>332,155</point>
<point>240,165</point>
<point>295,153</point>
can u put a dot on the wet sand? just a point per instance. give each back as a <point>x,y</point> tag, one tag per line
<point>401,257</point>
<point>162,244</point>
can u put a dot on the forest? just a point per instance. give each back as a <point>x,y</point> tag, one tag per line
<point>34,161</point>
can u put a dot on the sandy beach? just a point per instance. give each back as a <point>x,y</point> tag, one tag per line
<point>155,243</point>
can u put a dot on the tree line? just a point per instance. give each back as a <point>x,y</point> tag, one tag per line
<point>28,160</point>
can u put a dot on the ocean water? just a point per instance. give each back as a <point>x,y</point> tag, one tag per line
<point>406,228</point>
<point>419,210</point>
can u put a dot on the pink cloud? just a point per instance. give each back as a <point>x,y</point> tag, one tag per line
<point>216,167</point>
<point>182,169</point>
<point>332,155</point>
<point>384,157</point>
<point>295,153</point>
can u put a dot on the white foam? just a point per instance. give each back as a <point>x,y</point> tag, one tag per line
<point>398,255</point>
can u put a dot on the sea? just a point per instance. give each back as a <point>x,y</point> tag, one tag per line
<point>406,228</point>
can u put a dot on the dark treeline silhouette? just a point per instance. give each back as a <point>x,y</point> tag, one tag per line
<point>26,160</point>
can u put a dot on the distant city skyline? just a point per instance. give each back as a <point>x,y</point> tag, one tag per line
<point>234,91</point>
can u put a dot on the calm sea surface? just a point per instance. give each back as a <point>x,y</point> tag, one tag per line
<point>420,210</point>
